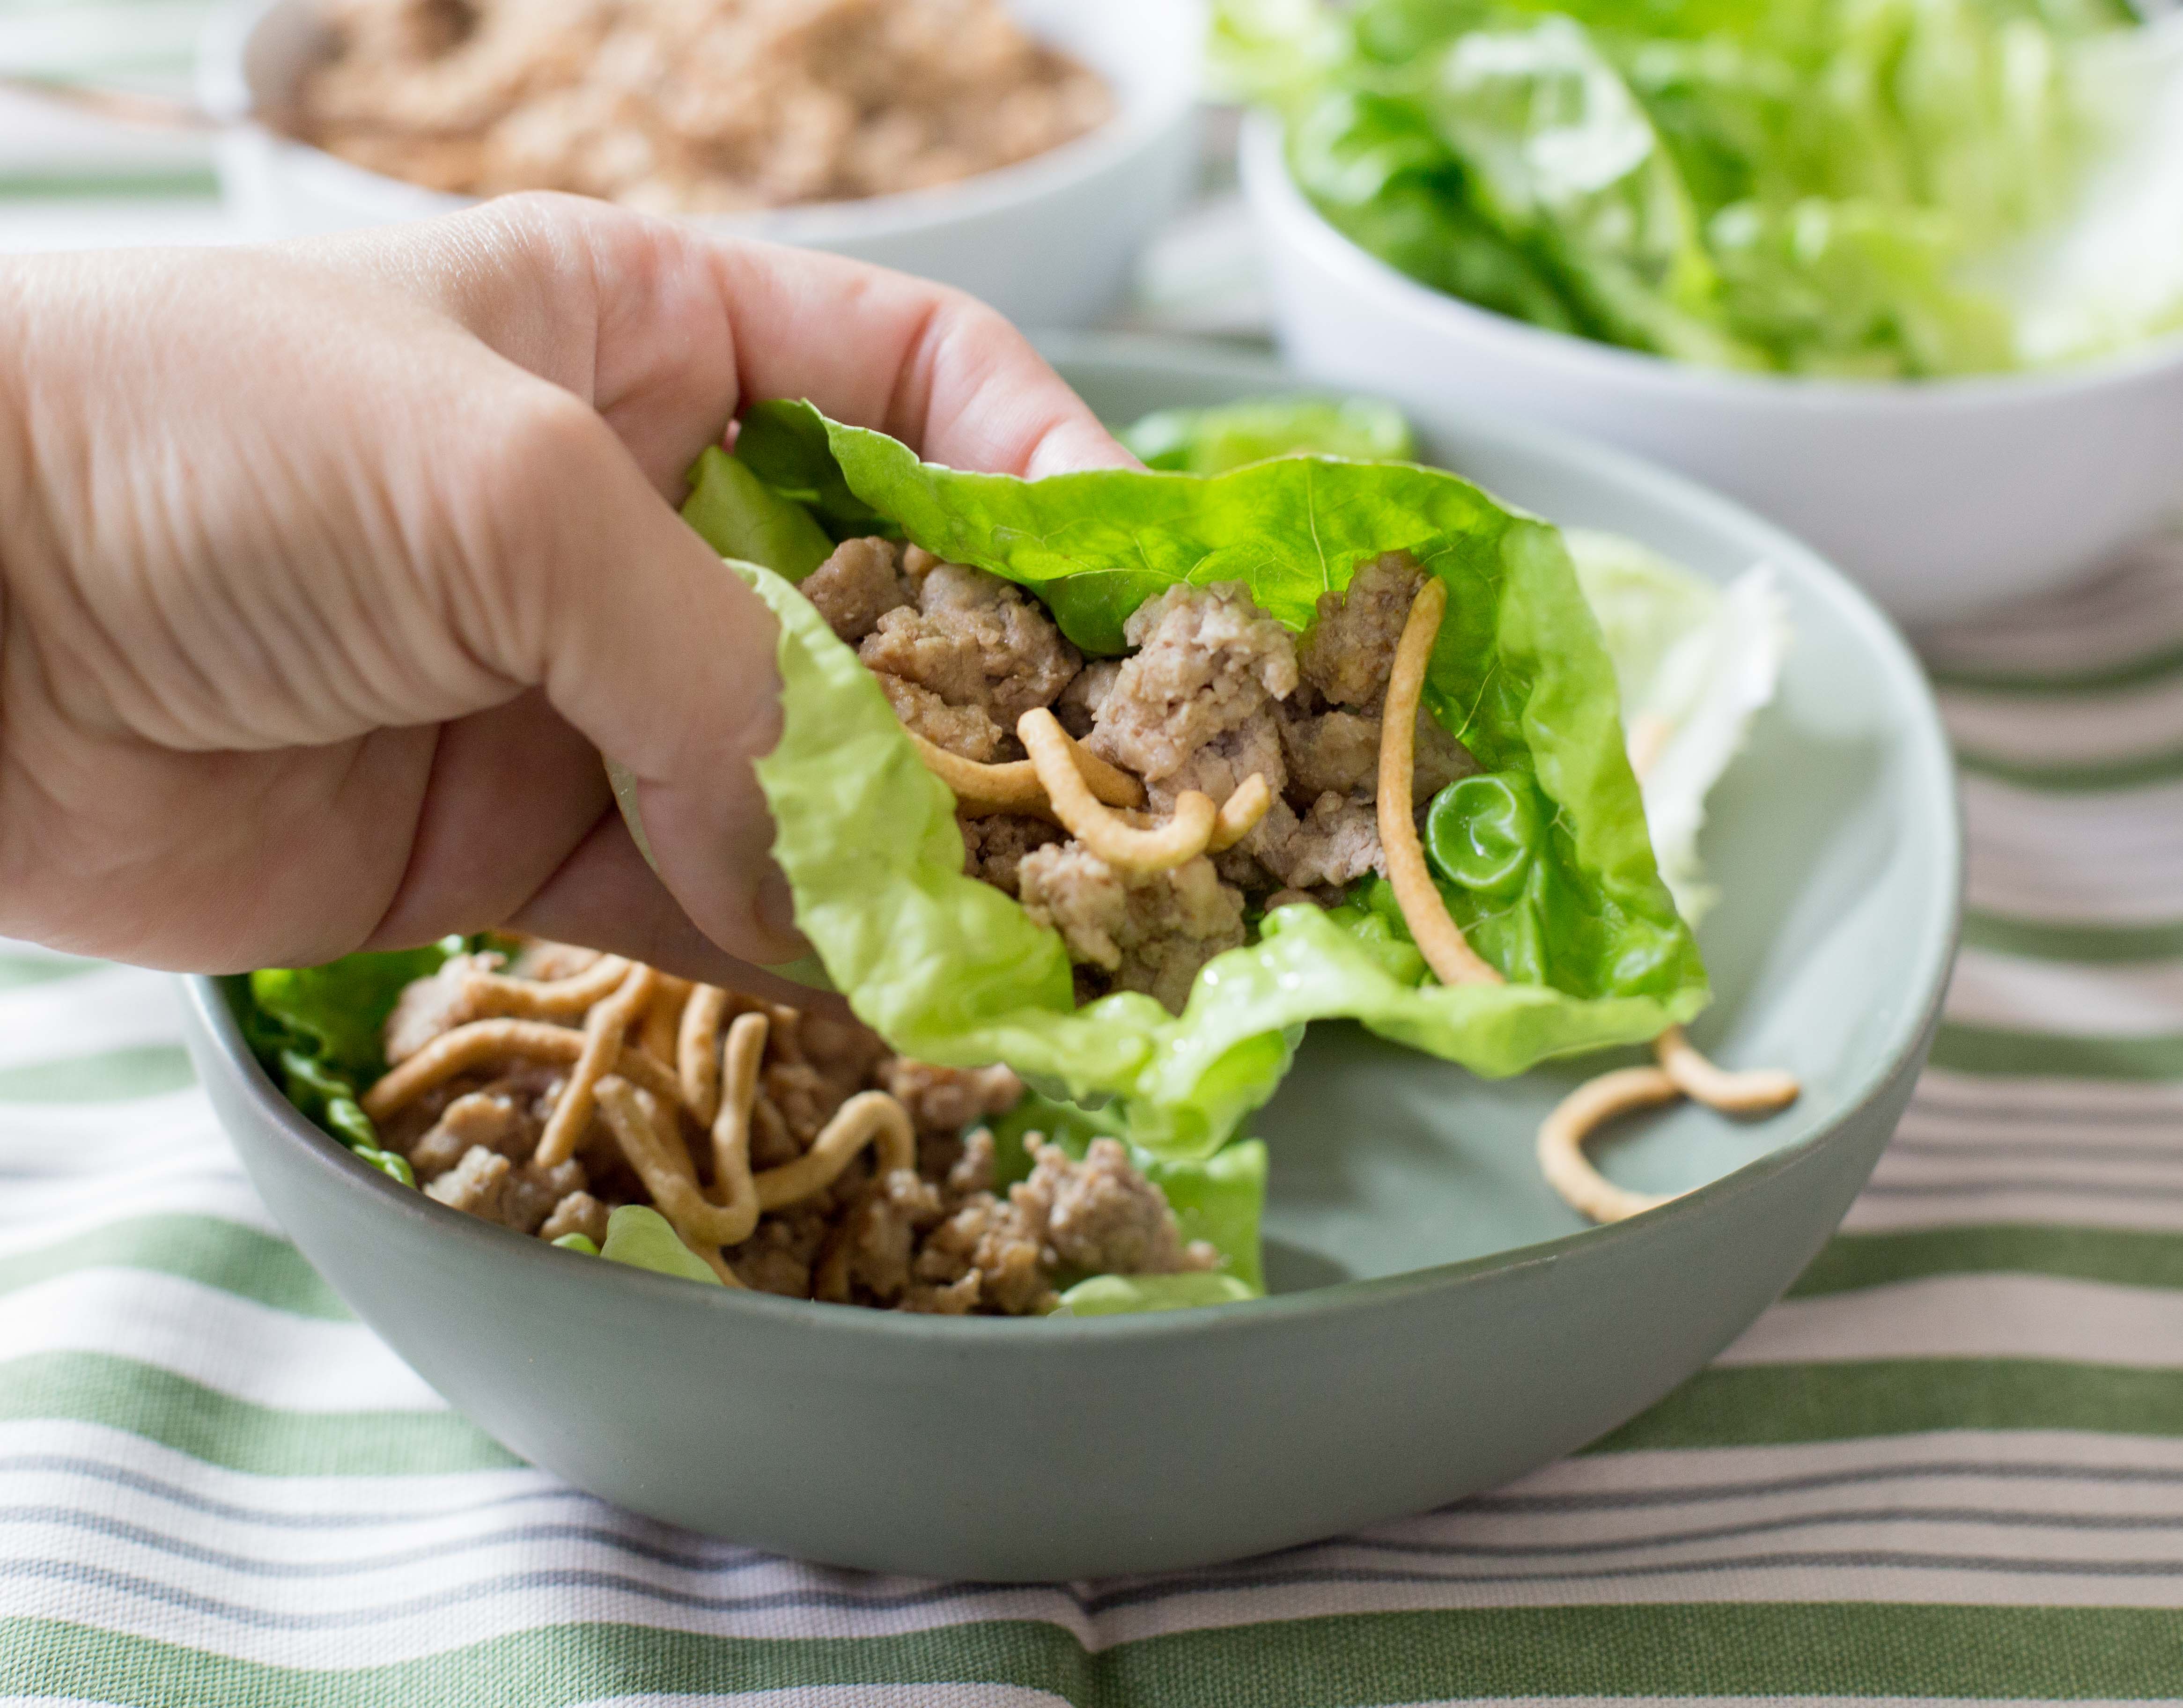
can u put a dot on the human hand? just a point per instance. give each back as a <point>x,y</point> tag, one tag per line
<point>330,571</point>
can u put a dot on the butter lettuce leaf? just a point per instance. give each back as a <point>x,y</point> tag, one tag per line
<point>951,970</point>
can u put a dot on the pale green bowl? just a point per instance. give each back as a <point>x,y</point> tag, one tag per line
<point>1442,1323</point>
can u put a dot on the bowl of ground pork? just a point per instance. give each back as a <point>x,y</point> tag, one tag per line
<point>1020,150</point>
<point>1430,1318</point>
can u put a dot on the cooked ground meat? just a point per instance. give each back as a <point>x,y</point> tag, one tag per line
<point>994,847</point>
<point>974,640</point>
<point>857,586</point>
<point>1349,652</point>
<point>486,1184</point>
<point>1207,662</point>
<point>1338,752</point>
<point>689,106</point>
<point>1079,701</point>
<point>1152,932</point>
<point>937,1238</point>
<point>969,730</point>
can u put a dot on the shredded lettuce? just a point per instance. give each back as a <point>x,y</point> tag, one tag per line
<point>1859,188</point>
<point>951,970</point>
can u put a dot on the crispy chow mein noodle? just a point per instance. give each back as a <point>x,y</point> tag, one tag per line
<point>1683,1072</point>
<point>1439,938</point>
<point>1562,1134</point>
<point>791,1152</point>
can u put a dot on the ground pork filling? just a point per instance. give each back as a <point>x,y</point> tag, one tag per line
<point>689,106</point>
<point>940,1235</point>
<point>1214,693</point>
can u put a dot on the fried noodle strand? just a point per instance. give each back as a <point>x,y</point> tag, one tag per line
<point>1562,1134</point>
<point>1439,938</point>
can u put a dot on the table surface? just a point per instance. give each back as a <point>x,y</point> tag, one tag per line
<point>1949,1464</point>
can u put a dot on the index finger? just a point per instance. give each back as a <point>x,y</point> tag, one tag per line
<point>668,331</point>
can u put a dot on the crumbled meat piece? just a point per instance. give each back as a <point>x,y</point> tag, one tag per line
<point>946,1100</point>
<point>690,106</point>
<point>845,1051</point>
<point>974,640</point>
<point>856,586</point>
<point>1151,932</point>
<point>493,1119</point>
<point>1225,763</point>
<point>974,1168</point>
<point>956,1298</point>
<point>1208,661</point>
<point>806,1098</point>
<point>1438,759</point>
<point>779,1256</point>
<point>1079,701</point>
<point>577,1213</point>
<point>429,1007</point>
<point>1338,752</point>
<point>868,1256</point>
<point>487,1185</point>
<point>969,730</point>
<point>988,1237</point>
<point>1337,842</point>
<point>993,847</point>
<point>1101,1216</point>
<point>1349,652</point>
<point>475,1184</point>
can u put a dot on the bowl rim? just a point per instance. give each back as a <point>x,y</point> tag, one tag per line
<point>1283,208</point>
<point>1144,116</point>
<point>1932,957</point>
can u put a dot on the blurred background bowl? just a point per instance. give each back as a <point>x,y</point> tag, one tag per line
<point>1940,497</point>
<point>1048,241</point>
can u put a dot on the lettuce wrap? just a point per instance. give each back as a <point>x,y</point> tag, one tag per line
<point>951,970</point>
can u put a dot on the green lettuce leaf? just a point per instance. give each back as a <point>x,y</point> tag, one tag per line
<point>1695,662</point>
<point>641,1237</point>
<point>342,1007</point>
<point>1109,1296</point>
<point>1227,436</point>
<point>748,519</point>
<point>952,971</point>
<point>316,1031</point>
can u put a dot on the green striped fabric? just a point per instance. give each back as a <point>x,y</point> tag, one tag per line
<point>1948,1464</point>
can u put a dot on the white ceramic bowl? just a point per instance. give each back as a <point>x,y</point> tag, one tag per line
<point>1940,497</point>
<point>1048,242</point>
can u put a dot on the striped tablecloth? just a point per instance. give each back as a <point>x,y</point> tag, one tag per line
<point>1950,1464</point>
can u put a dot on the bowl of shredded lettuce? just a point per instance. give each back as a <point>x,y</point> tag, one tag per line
<point>1216,1227</point>
<point>1907,277</point>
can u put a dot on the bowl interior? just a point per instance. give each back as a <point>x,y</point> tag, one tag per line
<point>1832,837</point>
<point>1147,50</point>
